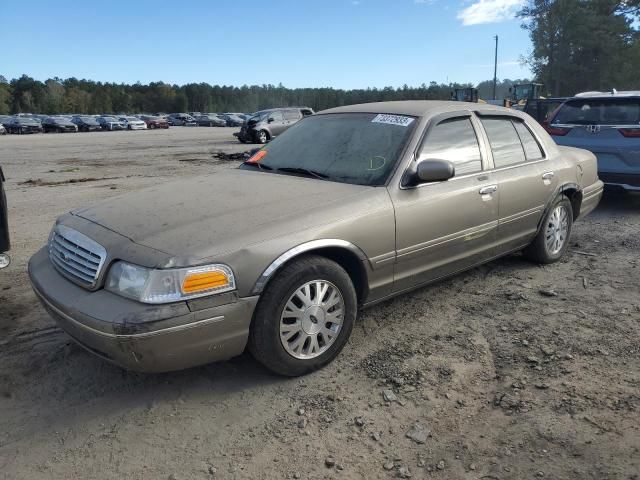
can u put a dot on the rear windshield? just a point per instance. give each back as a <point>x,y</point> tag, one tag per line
<point>357,148</point>
<point>600,111</point>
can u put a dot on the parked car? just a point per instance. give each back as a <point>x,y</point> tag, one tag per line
<point>347,208</point>
<point>23,125</point>
<point>181,120</point>
<point>232,119</point>
<point>5,244</point>
<point>58,125</point>
<point>607,124</point>
<point>268,124</point>
<point>86,123</point>
<point>133,123</point>
<point>155,122</point>
<point>210,121</point>
<point>110,123</point>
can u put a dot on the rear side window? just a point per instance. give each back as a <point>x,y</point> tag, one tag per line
<point>291,114</point>
<point>531,147</point>
<point>600,111</point>
<point>505,142</point>
<point>454,140</point>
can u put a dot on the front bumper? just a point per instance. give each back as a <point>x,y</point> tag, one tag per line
<point>140,337</point>
<point>245,135</point>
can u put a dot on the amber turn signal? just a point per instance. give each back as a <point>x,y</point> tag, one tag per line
<point>203,281</point>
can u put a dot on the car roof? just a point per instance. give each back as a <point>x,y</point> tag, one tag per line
<point>418,108</point>
<point>613,94</point>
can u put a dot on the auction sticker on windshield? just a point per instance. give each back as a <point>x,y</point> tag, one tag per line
<point>393,119</point>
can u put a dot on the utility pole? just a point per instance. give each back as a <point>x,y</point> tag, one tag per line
<point>495,69</point>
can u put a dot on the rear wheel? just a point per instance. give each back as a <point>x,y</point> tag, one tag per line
<point>552,240</point>
<point>304,317</point>
<point>152,126</point>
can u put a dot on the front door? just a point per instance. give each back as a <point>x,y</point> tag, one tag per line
<point>445,227</point>
<point>276,123</point>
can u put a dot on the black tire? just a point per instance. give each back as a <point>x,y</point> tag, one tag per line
<point>262,136</point>
<point>264,339</point>
<point>539,250</point>
<point>152,126</point>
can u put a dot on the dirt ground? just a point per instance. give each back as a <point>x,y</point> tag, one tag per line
<point>509,371</point>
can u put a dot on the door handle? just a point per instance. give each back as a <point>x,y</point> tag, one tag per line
<point>488,190</point>
<point>548,175</point>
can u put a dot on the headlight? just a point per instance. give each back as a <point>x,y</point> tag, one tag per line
<point>172,285</point>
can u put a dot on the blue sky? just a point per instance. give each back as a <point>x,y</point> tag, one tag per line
<point>299,43</point>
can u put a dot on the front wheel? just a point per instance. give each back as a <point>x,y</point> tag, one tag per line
<point>552,239</point>
<point>262,136</point>
<point>304,317</point>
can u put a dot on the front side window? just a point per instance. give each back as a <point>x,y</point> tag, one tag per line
<point>277,116</point>
<point>505,142</point>
<point>356,148</point>
<point>454,140</point>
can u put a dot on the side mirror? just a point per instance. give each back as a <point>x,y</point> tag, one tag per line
<point>433,170</point>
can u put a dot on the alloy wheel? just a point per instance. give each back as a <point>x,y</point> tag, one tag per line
<point>557,230</point>
<point>311,319</point>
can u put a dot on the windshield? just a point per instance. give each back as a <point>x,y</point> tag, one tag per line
<point>109,119</point>
<point>600,111</point>
<point>358,148</point>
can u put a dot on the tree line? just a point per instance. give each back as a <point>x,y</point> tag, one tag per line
<point>59,96</point>
<point>582,45</point>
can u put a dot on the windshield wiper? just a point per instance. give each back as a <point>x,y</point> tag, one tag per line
<point>303,171</point>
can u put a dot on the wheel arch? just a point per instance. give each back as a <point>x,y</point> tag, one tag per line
<point>344,253</point>
<point>573,192</point>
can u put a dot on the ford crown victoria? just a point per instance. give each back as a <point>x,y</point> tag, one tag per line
<point>347,208</point>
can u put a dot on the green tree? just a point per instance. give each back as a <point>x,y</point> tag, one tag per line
<point>582,44</point>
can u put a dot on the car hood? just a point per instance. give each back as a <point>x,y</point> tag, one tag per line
<point>222,212</point>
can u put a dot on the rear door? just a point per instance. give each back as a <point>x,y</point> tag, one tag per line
<point>445,227</point>
<point>291,116</point>
<point>524,176</point>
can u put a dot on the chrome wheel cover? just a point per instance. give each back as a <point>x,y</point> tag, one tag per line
<point>262,136</point>
<point>557,230</point>
<point>311,319</point>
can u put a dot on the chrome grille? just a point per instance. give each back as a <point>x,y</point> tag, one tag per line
<point>76,256</point>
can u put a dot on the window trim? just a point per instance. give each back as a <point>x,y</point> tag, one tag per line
<point>507,115</point>
<point>524,124</point>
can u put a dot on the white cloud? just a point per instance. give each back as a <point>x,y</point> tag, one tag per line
<point>489,11</point>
